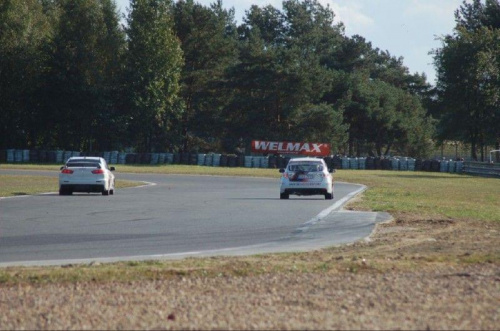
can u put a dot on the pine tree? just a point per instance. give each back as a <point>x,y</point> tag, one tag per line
<point>154,63</point>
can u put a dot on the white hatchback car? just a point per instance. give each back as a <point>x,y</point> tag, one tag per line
<point>86,174</point>
<point>306,176</point>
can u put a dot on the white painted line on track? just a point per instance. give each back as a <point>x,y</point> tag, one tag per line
<point>147,184</point>
<point>16,196</point>
<point>337,205</point>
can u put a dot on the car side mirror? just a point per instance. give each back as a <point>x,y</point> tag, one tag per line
<point>282,170</point>
<point>112,169</point>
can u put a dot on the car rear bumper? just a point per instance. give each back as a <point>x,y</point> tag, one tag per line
<point>308,188</point>
<point>305,191</point>
<point>83,187</point>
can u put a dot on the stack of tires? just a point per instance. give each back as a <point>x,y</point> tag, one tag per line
<point>345,163</point>
<point>411,164</point>
<point>248,161</point>
<point>362,163</point>
<point>232,161</point>
<point>10,155</point>
<point>169,158</point>
<point>216,160</point>
<point>353,163</point>
<point>155,157</point>
<point>370,163</point>
<point>272,162</point>
<point>223,160</point>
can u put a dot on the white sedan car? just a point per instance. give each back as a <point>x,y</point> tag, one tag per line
<point>86,174</point>
<point>306,176</point>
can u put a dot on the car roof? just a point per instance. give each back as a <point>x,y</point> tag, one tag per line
<point>305,159</point>
<point>85,158</point>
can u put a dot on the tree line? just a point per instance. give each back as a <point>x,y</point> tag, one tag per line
<point>467,96</point>
<point>183,76</point>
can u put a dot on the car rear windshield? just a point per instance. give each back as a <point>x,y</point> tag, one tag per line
<point>82,165</point>
<point>308,167</point>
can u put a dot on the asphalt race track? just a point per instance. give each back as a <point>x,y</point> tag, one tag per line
<point>174,217</point>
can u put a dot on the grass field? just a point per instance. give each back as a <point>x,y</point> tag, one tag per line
<point>434,266</point>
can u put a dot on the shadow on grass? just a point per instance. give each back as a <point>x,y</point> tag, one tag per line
<point>19,193</point>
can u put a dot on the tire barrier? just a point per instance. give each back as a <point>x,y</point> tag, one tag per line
<point>345,163</point>
<point>394,164</point>
<point>216,160</point>
<point>223,161</point>
<point>154,158</point>
<point>169,158</point>
<point>10,155</point>
<point>444,166</point>
<point>362,163</point>
<point>452,167</point>
<point>248,161</point>
<point>280,162</point>
<point>353,163</point>
<point>256,162</point>
<point>59,156</point>
<point>418,165</point>
<point>208,160</point>
<point>272,162</point>
<point>231,160</point>
<point>435,165</point>
<point>122,158</point>
<point>176,158</point>
<point>18,156</point>
<point>66,156</point>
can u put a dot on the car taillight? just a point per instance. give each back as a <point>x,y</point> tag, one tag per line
<point>67,171</point>
<point>98,172</point>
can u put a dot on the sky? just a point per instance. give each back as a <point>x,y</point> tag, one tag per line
<point>406,28</point>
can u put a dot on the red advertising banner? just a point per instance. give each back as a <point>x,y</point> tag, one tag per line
<point>285,147</point>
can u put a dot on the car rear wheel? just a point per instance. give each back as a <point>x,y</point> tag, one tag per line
<point>284,196</point>
<point>328,196</point>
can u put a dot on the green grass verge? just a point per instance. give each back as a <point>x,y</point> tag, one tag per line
<point>439,195</point>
